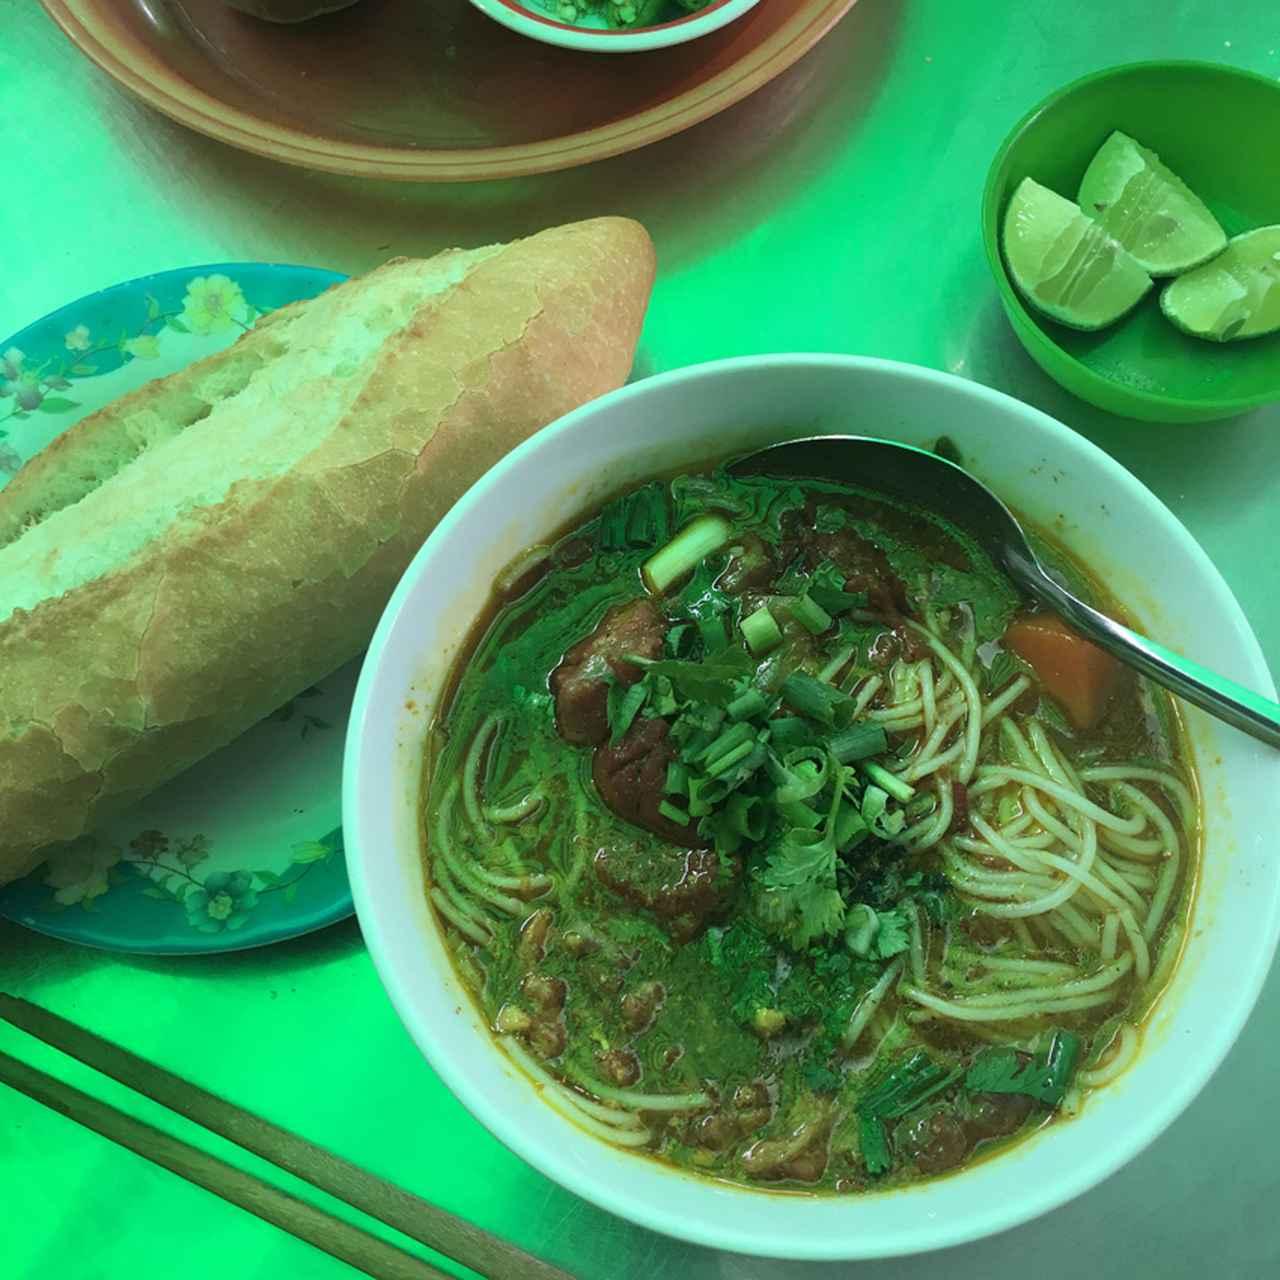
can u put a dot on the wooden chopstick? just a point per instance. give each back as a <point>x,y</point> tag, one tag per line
<point>417,1218</point>
<point>352,1245</point>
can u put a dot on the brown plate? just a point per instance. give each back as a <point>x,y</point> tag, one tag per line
<point>425,90</point>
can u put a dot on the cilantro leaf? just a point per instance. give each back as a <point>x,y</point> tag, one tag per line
<point>1045,1078</point>
<point>1004,669</point>
<point>800,900</point>
<point>894,935</point>
<point>714,680</point>
<point>1051,713</point>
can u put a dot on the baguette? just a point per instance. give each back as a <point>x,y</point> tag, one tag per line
<point>184,561</point>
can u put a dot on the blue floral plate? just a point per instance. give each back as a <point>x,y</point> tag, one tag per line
<point>246,848</point>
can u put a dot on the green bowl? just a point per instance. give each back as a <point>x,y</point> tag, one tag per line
<point>1217,128</point>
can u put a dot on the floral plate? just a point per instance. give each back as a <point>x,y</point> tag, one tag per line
<point>245,848</point>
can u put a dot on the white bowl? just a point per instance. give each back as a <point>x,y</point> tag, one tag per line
<point>527,18</point>
<point>711,411</point>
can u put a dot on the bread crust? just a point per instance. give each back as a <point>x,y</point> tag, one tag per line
<point>112,688</point>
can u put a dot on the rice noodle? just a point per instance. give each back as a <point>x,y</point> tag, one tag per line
<point>1006,699</point>
<point>1128,773</point>
<point>1141,955</point>
<point>1100,981</point>
<point>471,770</point>
<point>865,694</point>
<point>1124,1049</point>
<point>505,815</point>
<point>973,725</point>
<point>928,831</point>
<point>992,776</point>
<point>870,1004</point>
<point>1076,927</point>
<point>1012,964</point>
<point>1161,898</point>
<point>625,1130</point>
<point>964,1012</point>
<point>1110,936</point>
<point>445,906</point>
<point>924,767</point>
<point>928,705</point>
<point>445,856</point>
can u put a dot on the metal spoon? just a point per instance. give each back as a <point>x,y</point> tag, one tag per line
<point>917,476</point>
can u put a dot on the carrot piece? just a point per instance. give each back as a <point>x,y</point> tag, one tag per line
<point>1075,672</point>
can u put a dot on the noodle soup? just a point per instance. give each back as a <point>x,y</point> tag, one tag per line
<point>778,838</point>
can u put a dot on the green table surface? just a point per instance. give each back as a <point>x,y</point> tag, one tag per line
<point>836,210</point>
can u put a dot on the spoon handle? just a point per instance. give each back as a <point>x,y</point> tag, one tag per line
<point>1222,698</point>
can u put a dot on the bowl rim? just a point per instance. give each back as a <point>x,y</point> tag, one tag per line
<point>517,16</point>
<point>992,208</point>
<point>930,1233</point>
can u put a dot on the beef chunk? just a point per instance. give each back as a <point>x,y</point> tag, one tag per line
<point>936,1141</point>
<point>997,1115</point>
<point>684,888</point>
<point>580,682</point>
<point>619,1067</point>
<point>640,1007</point>
<point>631,775</point>
<point>751,566</point>
<point>799,1157</point>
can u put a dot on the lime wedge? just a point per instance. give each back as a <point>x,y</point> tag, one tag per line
<point>1237,295</point>
<point>1065,264</point>
<point>1148,208</point>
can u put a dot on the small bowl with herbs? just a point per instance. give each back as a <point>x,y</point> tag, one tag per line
<point>1132,223</point>
<point>614,26</point>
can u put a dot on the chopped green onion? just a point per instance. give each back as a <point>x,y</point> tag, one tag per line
<point>922,805</point>
<point>671,812</point>
<point>805,783</point>
<point>648,519</point>
<point>613,526</point>
<point>830,519</point>
<point>701,791</point>
<point>873,1144</point>
<point>692,544</point>
<point>899,790</point>
<point>731,738</point>
<point>860,928</point>
<point>624,703</point>
<point>851,828</point>
<point>859,742</point>
<point>810,615</point>
<point>1061,1059</point>
<point>677,779</point>
<point>638,519</point>
<point>883,821</point>
<point>817,700</point>
<point>761,631</point>
<point>747,816</point>
<point>697,741</point>
<point>722,764</point>
<point>715,635</point>
<point>787,731</point>
<point>909,1085</point>
<point>800,816</point>
<point>748,706</point>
